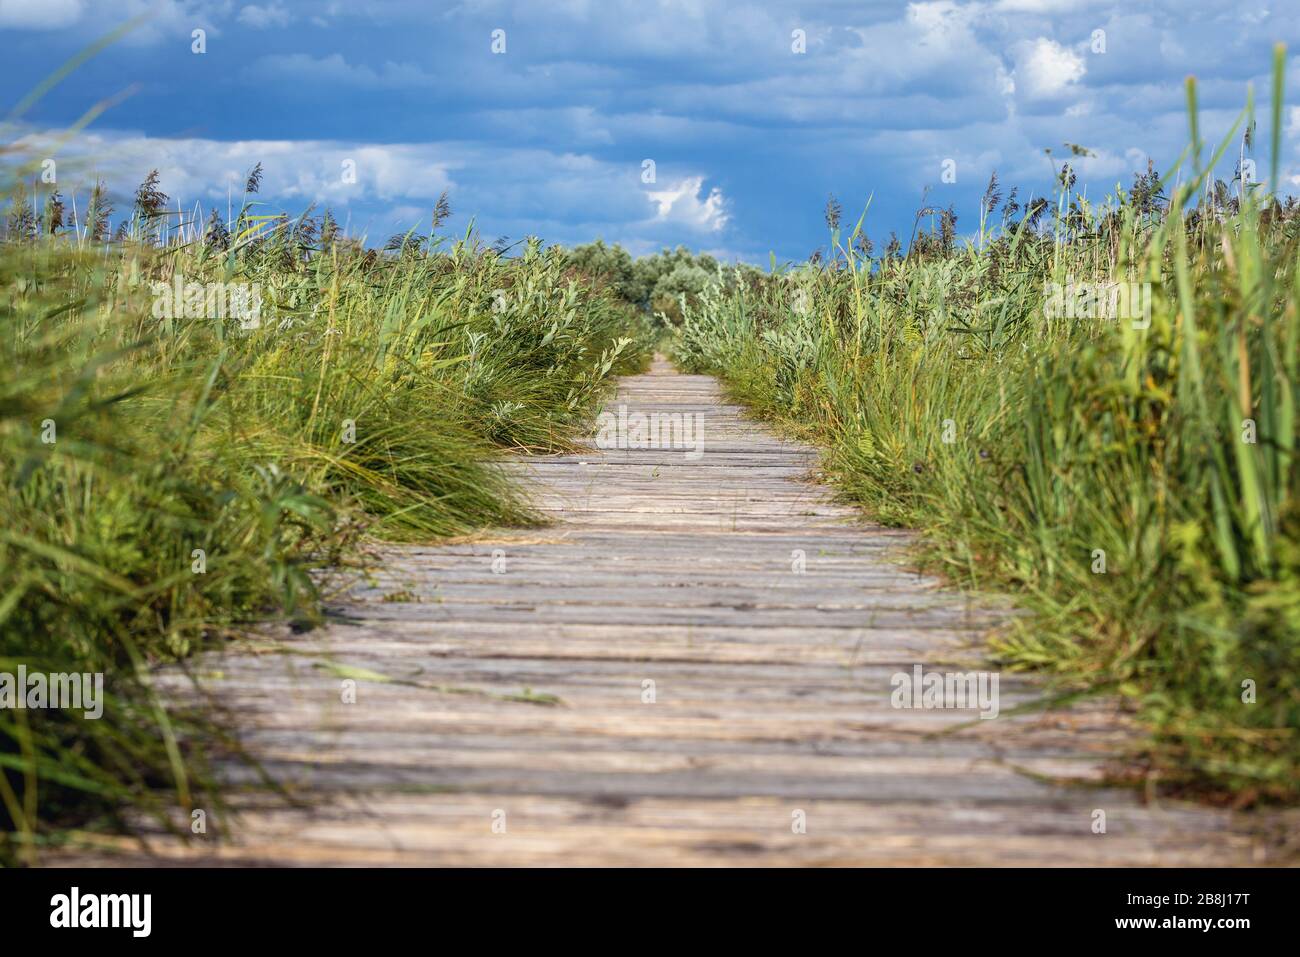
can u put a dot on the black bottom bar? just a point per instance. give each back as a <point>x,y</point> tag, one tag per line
<point>943,908</point>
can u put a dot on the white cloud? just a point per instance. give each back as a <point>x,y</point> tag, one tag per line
<point>1045,69</point>
<point>294,170</point>
<point>1035,6</point>
<point>1006,82</point>
<point>681,203</point>
<point>260,18</point>
<point>152,20</point>
<point>1293,121</point>
<point>561,196</point>
<point>39,14</point>
<point>335,69</point>
<point>555,132</point>
<point>408,215</point>
<point>942,23</point>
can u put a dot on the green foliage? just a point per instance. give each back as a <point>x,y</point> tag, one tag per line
<point>656,284</point>
<point>610,266</point>
<point>1026,444</point>
<point>371,399</point>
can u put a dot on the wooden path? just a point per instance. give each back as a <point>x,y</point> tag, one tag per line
<point>691,667</point>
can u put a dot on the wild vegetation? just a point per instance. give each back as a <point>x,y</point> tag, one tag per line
<point>660,283</point>
<point>1130,479</point>
<point>198,416</point>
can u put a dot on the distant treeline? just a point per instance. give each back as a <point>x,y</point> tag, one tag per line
<point>656,283</point>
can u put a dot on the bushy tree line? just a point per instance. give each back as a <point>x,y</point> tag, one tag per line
<point>658,282</point>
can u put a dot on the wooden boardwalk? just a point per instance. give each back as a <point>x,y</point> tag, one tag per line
<point>691,667</point>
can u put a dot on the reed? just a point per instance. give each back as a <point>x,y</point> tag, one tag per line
<point>1131,481</point>
<point>176,471</point>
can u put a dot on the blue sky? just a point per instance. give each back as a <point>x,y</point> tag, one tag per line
<point>748,137</point>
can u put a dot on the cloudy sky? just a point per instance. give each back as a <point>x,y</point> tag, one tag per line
<point>751,113</point>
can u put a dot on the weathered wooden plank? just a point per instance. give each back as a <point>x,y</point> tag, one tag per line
<point>508,672</point>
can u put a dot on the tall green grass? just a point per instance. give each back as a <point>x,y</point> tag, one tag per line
<point>1135,488</point>
<point>202,475</point>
